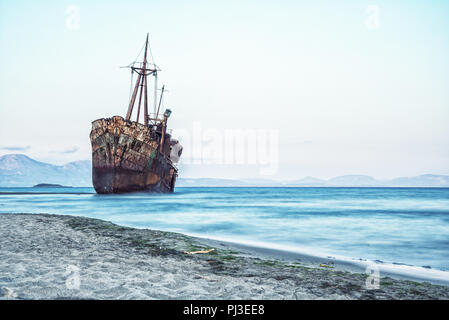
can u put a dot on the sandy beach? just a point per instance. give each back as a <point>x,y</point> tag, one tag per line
<point>65,257</point>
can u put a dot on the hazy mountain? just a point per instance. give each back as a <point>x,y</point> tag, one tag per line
<point>80,172</point>
<point>307,182</point>
<point>421,181</point>
<point>354,181</point>
<point>18,170</point>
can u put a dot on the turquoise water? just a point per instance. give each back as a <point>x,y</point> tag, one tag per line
<point>395,225</point>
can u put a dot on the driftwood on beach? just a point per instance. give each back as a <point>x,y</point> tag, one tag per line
<point>199,251</point>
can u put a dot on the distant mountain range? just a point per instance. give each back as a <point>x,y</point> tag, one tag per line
<point>18,170</point>
<point>425,180</point>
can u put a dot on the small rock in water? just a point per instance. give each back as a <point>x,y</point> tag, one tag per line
<point>7,293</point>
<point>427,267</point>
<point>378,261</point>
<point>400,264</point>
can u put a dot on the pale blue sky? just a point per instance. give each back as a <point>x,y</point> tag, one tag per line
<point>345,99</point>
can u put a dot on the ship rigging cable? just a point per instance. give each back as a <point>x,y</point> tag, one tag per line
<point>132,73</point>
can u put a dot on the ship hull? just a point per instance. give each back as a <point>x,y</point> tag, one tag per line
<point>126,157</point>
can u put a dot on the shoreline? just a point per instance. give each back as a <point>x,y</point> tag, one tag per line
<point>395,270</point>
<point>68,257</point>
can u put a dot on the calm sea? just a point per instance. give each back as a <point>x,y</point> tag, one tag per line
<point>394,225</point>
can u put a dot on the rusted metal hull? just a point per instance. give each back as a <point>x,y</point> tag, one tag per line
<point>126,157</point>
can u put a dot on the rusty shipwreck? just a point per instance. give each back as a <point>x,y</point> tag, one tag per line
<point>129,156</point>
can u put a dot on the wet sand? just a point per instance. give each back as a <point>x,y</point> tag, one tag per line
<point>65,257</point>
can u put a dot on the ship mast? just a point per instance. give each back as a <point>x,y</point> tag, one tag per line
<point>141,82</point>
